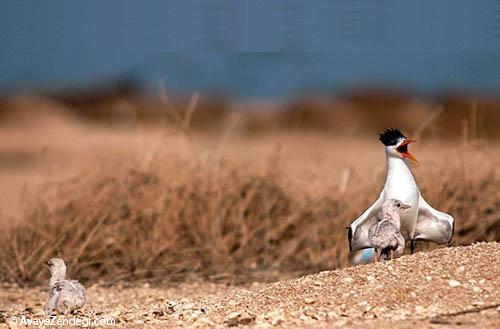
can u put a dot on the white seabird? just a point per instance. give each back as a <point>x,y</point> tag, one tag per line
<point>419,223</point>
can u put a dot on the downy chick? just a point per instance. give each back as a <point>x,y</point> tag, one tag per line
<point>385,235</point>
<point>64,295</point>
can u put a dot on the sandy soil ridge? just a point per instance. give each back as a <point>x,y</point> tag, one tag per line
<point>449,287</point>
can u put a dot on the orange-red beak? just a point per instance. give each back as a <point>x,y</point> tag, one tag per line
<point>403,150</point>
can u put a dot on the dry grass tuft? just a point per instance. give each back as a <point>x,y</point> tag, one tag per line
<point>208,216</point>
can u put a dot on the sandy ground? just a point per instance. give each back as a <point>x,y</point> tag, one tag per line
<point>447,288</point>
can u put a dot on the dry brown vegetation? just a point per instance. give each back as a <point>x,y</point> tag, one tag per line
<point>166,213</point>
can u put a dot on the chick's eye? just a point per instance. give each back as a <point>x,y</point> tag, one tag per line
<point>398,204</point>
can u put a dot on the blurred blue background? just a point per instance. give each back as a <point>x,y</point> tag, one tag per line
<point>252,49</point>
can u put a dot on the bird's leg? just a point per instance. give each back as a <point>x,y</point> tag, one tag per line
<point>412,247</point>
<point>392,254</point>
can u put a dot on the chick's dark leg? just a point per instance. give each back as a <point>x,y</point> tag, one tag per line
<point>385,254</point>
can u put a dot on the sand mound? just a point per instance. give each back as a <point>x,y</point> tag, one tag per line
<point>456,286</point>
<point>426,285</point>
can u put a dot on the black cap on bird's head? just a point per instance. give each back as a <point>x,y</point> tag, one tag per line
<point>396,143</point>
<point>391,137</point>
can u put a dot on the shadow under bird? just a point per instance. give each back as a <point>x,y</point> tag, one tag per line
<point>420,222</point>
<point>64,295</point>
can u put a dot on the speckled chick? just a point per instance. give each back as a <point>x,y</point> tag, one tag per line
<point>64,295</point>
<point>385,235</point>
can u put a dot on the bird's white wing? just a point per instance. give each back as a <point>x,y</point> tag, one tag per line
<point>433,225</point>
<point>358,231</point>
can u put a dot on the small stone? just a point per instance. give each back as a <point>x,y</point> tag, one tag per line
<point>277,321</point>
<point>477,289</point>
<point>276,317</point>
<point>347,279</point>
<point>196,314</point>
<point>115,313</point>
<point>419,309</point>
<point>370,278</point>
<point>365,306</point>
<point>477,303</point>
<point>309,300</point>
<point>454,283</point>
<point>237,318</point>
<point>428,278</point>
<point>158,313</point>
<point>203,322</point>
<point>233,315</point>
<point>382,309</point>
<point>332,315</point>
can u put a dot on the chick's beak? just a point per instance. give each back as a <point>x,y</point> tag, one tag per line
<point>403,150</point>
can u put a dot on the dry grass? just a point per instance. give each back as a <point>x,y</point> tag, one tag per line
<point>168,214</point>
<point>175,216</point>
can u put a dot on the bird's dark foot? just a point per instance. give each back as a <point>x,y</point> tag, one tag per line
<point>384,254</point>
<point>412,247</point>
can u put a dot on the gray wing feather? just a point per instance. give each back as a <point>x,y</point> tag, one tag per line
<point>71,296</point>
<point>433,225</point>
<point>358,235</point>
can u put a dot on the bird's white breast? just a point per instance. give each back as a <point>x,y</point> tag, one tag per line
<point>400,184</point>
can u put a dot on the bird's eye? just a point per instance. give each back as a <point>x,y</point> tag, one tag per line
<point>398,204</point>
